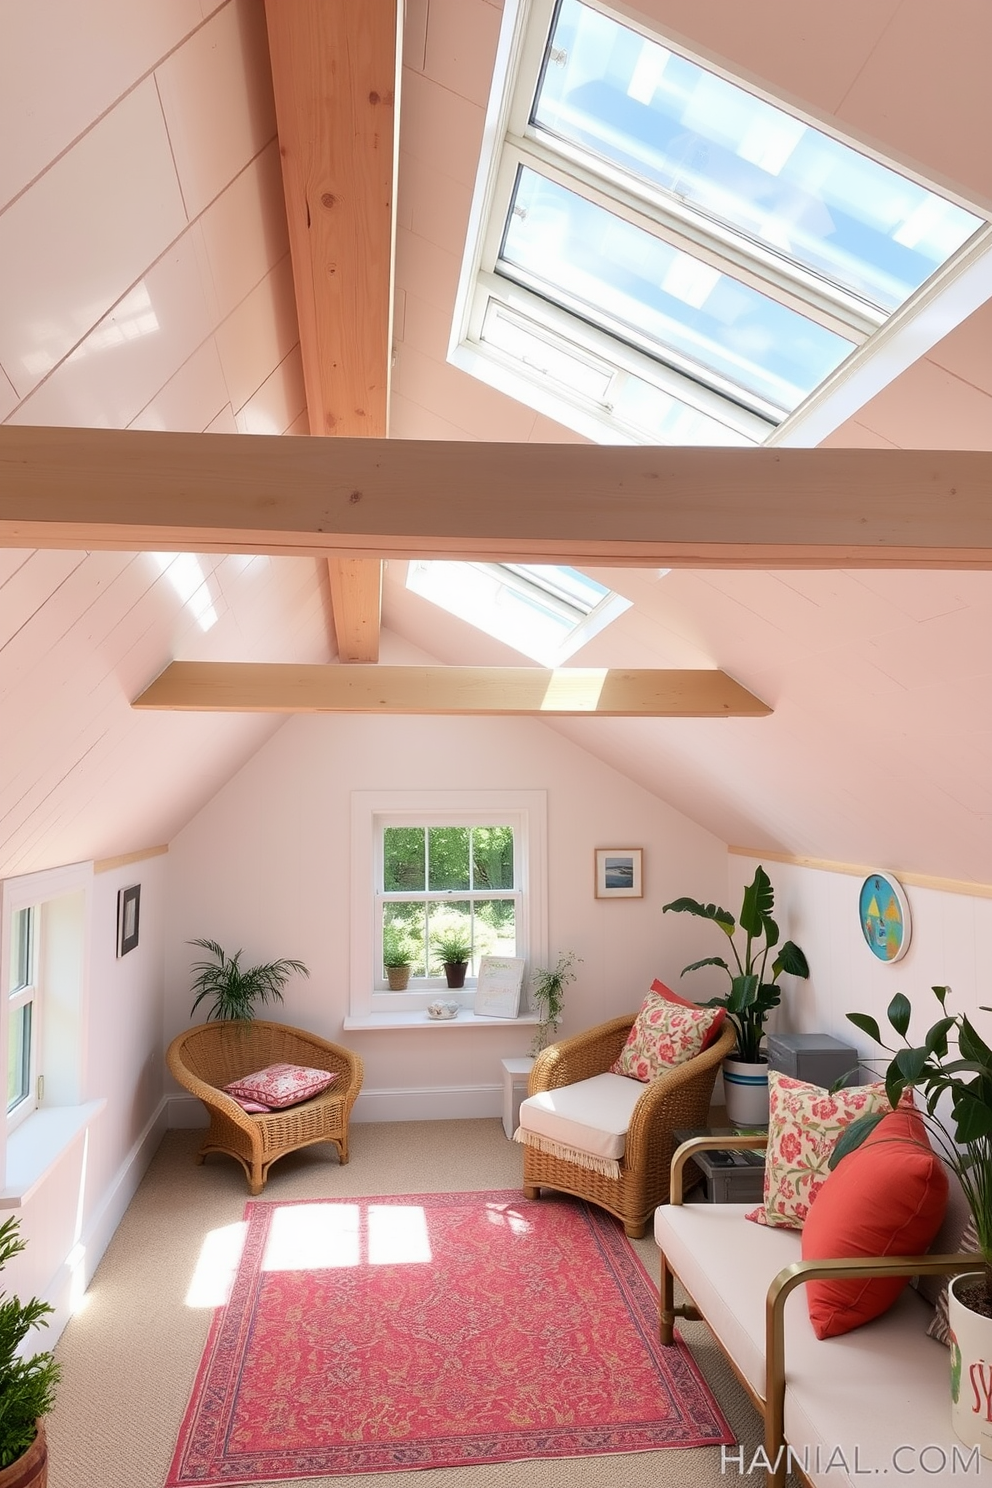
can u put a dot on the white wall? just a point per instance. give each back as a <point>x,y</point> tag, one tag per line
<point>265,865</point>
<point>70,1216</point>
<point>951,945</point>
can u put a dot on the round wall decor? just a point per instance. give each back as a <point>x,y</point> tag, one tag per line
<point>885,921</point>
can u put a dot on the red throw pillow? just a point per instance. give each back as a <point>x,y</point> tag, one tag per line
<point>887,1197</point>
<point>660,990</point>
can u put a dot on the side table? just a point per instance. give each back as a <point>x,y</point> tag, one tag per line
<point>729,1177</point>
<point>516,1073</point>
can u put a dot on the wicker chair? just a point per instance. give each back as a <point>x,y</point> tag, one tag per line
<point>211,1055</point>
<point>680,1098</point>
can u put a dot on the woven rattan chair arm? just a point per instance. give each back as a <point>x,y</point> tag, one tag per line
<point>211,1095</point>
<point>657,1108</point>
<point>580,1057</point>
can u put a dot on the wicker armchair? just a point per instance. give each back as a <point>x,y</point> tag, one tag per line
<point>680,1098</point>
<point>211,1055</point>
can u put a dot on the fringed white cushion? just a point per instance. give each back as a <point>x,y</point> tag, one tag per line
<point>608,1166</point>
<point>585,1123</point>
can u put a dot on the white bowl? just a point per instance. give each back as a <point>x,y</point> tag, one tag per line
<point>440,1011</point>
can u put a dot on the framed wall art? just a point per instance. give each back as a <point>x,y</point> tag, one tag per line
<point>619,873</point>
<point>128,905</point>
<point>883,910</point>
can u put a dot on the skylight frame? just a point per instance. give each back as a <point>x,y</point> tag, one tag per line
<point>510,137</point>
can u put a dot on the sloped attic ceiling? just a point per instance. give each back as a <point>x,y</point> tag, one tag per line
<point>147,283</point>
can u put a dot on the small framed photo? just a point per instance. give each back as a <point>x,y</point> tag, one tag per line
<point>619,873</point>
<point>128,904</point>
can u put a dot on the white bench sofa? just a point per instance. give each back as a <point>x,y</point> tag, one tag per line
<point>837,1411</point>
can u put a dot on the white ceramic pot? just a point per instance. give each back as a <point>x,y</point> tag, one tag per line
<point>971,1370</point>
<point>745,1089</point>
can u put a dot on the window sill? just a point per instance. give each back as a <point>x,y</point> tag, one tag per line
<point>34,1147</point>
<point>418,1018</point>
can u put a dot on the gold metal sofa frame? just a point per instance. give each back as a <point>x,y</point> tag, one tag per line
<point>679,1098</point>
<point>211,1055</point>
<point>772,1406</point>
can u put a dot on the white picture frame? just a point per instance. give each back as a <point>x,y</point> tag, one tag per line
<point>619,873</point>
<point>497,992</point>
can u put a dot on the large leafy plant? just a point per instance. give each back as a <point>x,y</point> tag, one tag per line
<point>27,1386</point>
<point>754,988</point>
<point>952,1067</point>
<point>234,990</point>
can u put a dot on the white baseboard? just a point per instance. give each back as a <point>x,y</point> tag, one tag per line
<point>75,1275</point>
<point>430,1103</point>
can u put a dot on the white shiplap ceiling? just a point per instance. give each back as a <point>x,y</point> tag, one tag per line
<point>146,283</point>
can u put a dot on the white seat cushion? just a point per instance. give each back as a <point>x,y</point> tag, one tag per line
<point>591,1115</point>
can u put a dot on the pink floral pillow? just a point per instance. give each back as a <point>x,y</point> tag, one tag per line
<point>281,1085</point>
<point>664,1034</point>
<point>251,1107</point>
<point>804,1122</point>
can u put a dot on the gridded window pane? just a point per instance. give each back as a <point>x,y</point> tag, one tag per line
<point>404,859</point>
<point>589,259</point>
<point>19,1056</point>
<point>743,162</point>
<point>449,924</point>
<point>495,927</point>
<point>492,858</point>
<point>448,858</point>
<point>21,949</point>
<point>404,930</point>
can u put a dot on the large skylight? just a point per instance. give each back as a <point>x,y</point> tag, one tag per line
<point>659,255</point>
<point>545,611</point>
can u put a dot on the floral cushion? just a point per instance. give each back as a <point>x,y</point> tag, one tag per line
<point>666,992</point>
<point>663,1034</point>
<point>281,1085</point>
<point>251,1107</point>
<point>804,1122</point>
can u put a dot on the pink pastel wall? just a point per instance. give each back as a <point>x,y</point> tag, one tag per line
<point>265,865</point>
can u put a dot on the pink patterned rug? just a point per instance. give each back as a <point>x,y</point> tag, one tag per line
<point>434,1330</point>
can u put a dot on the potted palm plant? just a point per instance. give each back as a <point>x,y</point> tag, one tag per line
<point>754,990</point>
<point>452,947</point>
<point>27,1386</point>
<point>548,992</point>
<point>951,1068</point>
<point>234,990</point>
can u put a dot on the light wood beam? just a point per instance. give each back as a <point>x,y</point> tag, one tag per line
<point>589,505</point>
<point>335,79</point>
<point>263,687</point>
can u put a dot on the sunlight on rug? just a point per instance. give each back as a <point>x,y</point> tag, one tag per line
<point>434,1330</point>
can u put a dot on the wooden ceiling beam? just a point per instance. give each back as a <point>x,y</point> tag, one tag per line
<point>335,77</point>
<point>263,687</point>
<point>590,505</point>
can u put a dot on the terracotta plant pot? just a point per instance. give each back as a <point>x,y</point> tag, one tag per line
<point>398,978</point>
<point>455,972</point>
<point>30,1470</point>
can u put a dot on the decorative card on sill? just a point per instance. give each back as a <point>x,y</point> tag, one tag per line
<point>497,994</point>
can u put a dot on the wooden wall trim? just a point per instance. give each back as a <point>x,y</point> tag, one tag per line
<point>862,870</point>
<point>106,865</point>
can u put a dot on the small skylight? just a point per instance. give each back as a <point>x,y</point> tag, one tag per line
<point>546,612</point>
<point>658,255</point>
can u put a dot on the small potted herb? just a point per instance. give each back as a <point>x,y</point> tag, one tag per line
<point>397,957</point>
<point>452,947</point>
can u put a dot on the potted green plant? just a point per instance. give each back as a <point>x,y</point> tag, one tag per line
<point>234,990</point>
<point>397,957</point>
<point>754,990</point>
<point>27,1386</point>
<point>452,947</point>
<point>952,1068</point>
<point>547,989</point>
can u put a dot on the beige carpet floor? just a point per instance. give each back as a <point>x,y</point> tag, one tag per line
<point>130,1354</point>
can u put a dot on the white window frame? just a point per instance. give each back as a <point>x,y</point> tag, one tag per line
<point>27,993</point>
<point>509,139</point>
<point>524,810</point>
